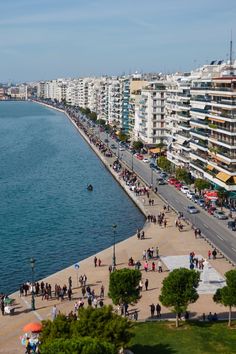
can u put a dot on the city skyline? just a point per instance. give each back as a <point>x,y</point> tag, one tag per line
<point>90,38</point>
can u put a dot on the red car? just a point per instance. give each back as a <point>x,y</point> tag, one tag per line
<point>139,156</point>
<point>178,185</point>
<point>172,180</point>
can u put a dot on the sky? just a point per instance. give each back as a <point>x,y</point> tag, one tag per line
<point>47,39</point>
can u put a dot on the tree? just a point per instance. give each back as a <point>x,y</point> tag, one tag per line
<point>92,116</point>
<point>164,163</point>
<point>227,295</point>
<point>179,290</point>
<point>137,145</point>
<point>104,324</point>
<point>101,323</point>
<point>122,136</point>
<point>82,345</point>
<point>222,195</point>
<point>201,184</point>
<point>124,286</point>
<point>183,175</point>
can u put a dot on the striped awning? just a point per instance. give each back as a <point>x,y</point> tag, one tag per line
<point>223,176</point>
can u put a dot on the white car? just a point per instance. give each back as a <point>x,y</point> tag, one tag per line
<point>121,148</point>
<point>146,160</point>
<point>184,189</point>
<point>190,195</point>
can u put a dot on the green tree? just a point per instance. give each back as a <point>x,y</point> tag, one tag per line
<point>164,163</point>
<point>124,286</point>
<point>222,196</point>
<point>201,184</point>
<point>101,121</point>
<point>101,323</point>
<point>137,145</point>
<point>82,345</point>
<point>104,324</point>
<point>179,290</point>
<point>183,175</point>
<point>122,136</point>
<point>92,116</point>
<point>227,295</point>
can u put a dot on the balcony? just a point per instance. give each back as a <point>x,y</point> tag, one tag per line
<point>199,144</point>
<point>198,154</point>
<point>184,126</point>
<point>200,133</point>
<point>199,123</point>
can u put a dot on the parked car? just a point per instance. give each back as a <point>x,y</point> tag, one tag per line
<point>195,198</point>
<point>172,180</point>
<point>178,185</point>
<point>106,140</point>
<point>201,202</point>
<point>184,189</point>
<point>139,156</point>
<point>152,165</point>
<point>163,175</point>
<point>220,215</point>
<point>121,148</point>
<point>232,225</point>
<point>190,195</point>
<point>146,160</point>
<point>156,168</point>
<point>113,146</point>
<point>192,209</point>
<point>161,182</point>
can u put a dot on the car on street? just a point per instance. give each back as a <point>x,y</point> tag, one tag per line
<point>195,198</point>
<point>232,225</point>
<point>163,175</point>
<point>192,210</point>
<point>184,189</point>
<point>201,202</point>
<point>121,148</point>
<point>139,156</point>
<point>113,146</point>
<point>190,195</point>
<point>220,215</point>
<point>172,180</point>
<point>146,160</point>
<point>106,140</point>
<point>178,185</point>
<point>152,165</point>
<point>161,182</point>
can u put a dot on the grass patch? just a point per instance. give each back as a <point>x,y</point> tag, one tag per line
<point>192,337</point>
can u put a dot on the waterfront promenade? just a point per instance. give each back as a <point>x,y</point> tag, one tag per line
<point>169,239</point>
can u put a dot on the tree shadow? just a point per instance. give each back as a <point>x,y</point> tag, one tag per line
<point>149,349</point>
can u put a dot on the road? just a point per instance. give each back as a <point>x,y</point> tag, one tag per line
<point>213,229</point>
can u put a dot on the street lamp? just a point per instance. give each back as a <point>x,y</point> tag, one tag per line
<point>114,226</point>
<point>152,177</point>
<point>32,264</point>
<point>132,162</point>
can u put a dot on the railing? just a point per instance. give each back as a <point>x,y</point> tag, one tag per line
<point>200,132</point>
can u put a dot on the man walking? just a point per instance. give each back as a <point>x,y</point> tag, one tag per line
<point>146,284</point>
<point>158,310</point>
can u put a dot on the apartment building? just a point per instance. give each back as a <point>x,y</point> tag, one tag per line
<point>151,114</point>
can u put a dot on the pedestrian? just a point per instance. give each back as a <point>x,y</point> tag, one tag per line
<point>140,285</point>
<point>146,266</point>
<point>209,254</point>
<point>152,308</point>
<point>69,293</point>
<point>214,253</point>
<point>102,291</point>
<point>2,306</point>
<point>158,310</point>
<point>110,269</point>
<point>54,312</point>
<point>153,266</point>
<point>165,223</point>
<point>83,290</point>
<point>95,261</point>
<point>146,284</point>
<point>70,282</point>
<point>99,262</point>
<point>159,264</point>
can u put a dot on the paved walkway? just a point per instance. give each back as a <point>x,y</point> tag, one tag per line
<point>170,241</point>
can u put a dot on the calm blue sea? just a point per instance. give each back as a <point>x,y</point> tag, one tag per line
<point>46,211</point>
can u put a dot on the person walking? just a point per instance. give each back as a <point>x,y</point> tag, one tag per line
<point>214,253</point>
<point>159,266</point>
<point>209,254</point>
<point>146,284</point>
<point>158,310</point>
<point>95,261</point>
<point>54,312</point>
<point>152,309</point>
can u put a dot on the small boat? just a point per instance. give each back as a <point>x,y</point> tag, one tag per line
<point>90,187</point>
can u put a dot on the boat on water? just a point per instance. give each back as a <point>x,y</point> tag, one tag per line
<point>89,187</point>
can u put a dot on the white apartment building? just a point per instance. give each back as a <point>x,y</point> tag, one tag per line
<point>151,114</point>
<point>115,102</point>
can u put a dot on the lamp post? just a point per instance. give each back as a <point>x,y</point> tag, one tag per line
<point>132,162</point>
<point>114,226</point>
<point>32,264</point>
<point>152,178</point>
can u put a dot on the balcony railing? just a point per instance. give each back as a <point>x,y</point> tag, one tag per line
<point>199,132</point>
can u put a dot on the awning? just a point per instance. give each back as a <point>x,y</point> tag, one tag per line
<point>234,179</point>
<point>217,120</point>
<point>223,176</point>
<point>210,168</point>
<point>211,195</point>
<point>155,150</point>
